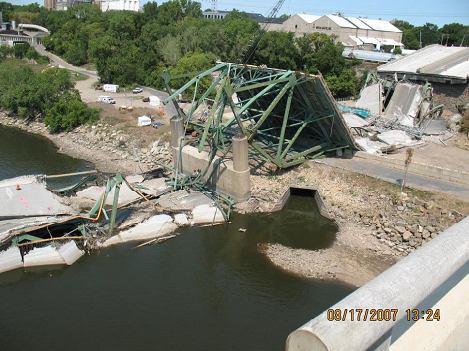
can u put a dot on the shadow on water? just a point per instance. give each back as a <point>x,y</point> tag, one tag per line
<point>207,289</point>
<point>24,153</point>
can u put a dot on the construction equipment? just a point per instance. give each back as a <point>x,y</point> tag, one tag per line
<point>251,48</point>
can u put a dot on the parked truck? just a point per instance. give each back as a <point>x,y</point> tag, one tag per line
<point>111,88</point>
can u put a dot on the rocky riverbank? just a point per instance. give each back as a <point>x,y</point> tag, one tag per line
<point>109,149</point>
<point>378,224</point>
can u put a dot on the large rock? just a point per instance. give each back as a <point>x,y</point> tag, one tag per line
<point>406,235</point>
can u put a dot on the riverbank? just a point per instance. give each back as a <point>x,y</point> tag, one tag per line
<point>377,225</point>
<point>110,150</point>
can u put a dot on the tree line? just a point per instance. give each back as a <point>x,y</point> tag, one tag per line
<point>415,37</point>
<point>129,47</point>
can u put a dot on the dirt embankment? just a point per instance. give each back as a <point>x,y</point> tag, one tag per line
<point>377,224</point>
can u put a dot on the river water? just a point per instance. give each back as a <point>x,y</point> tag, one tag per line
<point>206,289</point>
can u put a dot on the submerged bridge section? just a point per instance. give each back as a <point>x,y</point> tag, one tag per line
<point>428,290</point>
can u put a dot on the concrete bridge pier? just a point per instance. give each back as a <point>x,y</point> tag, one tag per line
<point>177,141</point>
<point>229,177</point>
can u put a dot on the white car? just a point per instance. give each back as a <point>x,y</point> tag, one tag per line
<point>137,90</point>
<point>106,100</point>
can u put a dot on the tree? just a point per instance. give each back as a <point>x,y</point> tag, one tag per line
<point>343,85</point>
<point>455,34</point>
<point>20,50</point>
<point>190,65</point>
<point>68,113</point>
<point>430,34</point>
<point>277,50</point>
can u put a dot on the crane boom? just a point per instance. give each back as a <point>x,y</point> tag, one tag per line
<point>252,47</point>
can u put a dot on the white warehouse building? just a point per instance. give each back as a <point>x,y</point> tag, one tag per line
<point>120,5</point>
<point>354,32</point>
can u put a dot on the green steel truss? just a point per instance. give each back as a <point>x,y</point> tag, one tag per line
<point>287,116</point>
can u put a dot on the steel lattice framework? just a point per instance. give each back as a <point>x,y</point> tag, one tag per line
<point>287,116</point>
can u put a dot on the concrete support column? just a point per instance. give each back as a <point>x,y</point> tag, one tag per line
<point>240,153</point>
<point>177,138</point>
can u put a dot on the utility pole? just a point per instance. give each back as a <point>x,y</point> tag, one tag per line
<point>462,41</point>
<point>420,39</point>
<point>408,160</point>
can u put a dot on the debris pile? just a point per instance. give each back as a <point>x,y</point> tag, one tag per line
<point>400,114</point>
<point>40,228</point>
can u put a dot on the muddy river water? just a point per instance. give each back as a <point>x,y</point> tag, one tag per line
<point>207,289</point>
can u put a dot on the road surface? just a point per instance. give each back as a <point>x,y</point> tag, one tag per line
<point>381,171</point>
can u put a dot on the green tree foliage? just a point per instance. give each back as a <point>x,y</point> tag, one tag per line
<point>29,94</point>
<point>136,48</point>
<point>449,34</point>
<point>343,84</point>
<point>69,112</point>
<point>455,34</point>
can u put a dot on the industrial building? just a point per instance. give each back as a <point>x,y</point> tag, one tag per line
<point>354,32</point>
<point>119,5</point>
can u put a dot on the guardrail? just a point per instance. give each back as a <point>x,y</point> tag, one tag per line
<point>434,275</point>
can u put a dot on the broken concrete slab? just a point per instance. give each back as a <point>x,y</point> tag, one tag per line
<point>28,197</point>
<point>10,259</point>
<point>10,226</point>
<point>70,252</point>
<point>396,137</point>
<point>405,104</point>
<point>435,127</point>
<point>370,146</point>
<point>133,179</point>
<point>206,214</point>
<point>183,200</point>
<point>154,227</point>
<point>155,187</point>
<point>181,220</point>
<point>354,121</point>
<point>126,195</point>
<point>43,256</point>
<point>371,98</point>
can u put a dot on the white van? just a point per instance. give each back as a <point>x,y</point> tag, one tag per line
<point>111,88</point>
<point>106,100</point>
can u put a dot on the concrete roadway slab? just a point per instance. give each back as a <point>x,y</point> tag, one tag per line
<point>377,170</point>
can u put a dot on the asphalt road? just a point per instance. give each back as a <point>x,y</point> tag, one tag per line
<point>93,75</point>
<point>378,170</point>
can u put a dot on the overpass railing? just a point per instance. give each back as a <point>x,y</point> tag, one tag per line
<point>421,301</point>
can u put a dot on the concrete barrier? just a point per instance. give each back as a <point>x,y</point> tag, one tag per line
<point>434,275</point>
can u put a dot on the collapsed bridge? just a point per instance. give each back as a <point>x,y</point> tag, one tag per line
<point>287,116</point>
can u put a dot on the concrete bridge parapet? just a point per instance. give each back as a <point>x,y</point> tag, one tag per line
<point>434,277</point>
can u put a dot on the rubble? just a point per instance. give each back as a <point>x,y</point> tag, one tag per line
<point>155,227</point>
<point>40,239</point>
<point>405,120</point>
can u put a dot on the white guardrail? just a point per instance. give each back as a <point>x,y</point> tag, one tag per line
<point>420,303</point>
